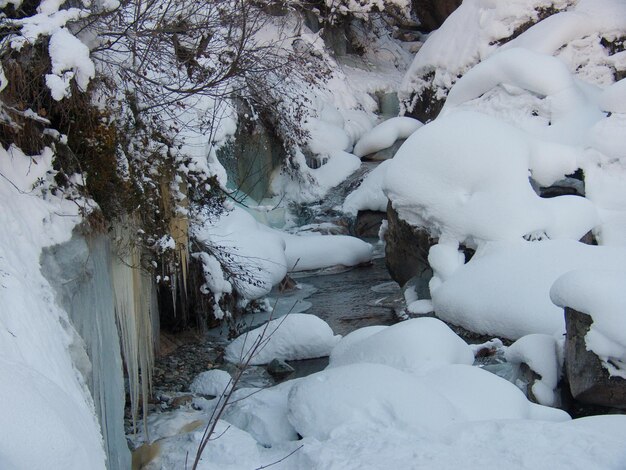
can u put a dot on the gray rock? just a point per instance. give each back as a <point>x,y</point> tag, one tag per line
<point>406,249</point>
<point>589,381</point>
<point>368,223</point>
<point>432,13</point>
<point>279,369</point>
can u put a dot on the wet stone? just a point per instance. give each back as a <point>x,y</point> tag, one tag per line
<point>279,369</point>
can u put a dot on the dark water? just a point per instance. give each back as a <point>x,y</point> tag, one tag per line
<point>362,296</point>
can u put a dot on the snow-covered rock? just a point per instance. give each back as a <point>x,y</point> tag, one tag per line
<point>416,345</point>
<point>365,396</point>
<point>211,382</point>
<point>292,337</point>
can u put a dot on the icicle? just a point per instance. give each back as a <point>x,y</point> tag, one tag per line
<point>132,288</point>
<point>175,205</point>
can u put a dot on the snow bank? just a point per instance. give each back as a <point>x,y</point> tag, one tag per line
<point>48,415</point>
<point>369,195</point>
<point>211,382</point>
<point>600,293</point>
<point>595,442</point>
<point>479,395</point>
<point>539,352</point>
<point>363,396</point>
<point>292,337</point>
<point>256,254</point>
<point>353,338</point>
<point>385,134</point>
<point>505,289</point>
<point>233,450</point>
<point>264,415</point>
<point>315,251</point>
<point>465,176</point>
<point>416,345</point>
<point>470,34</point>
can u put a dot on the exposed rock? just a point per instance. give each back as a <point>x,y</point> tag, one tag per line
<point>589,381</point>
<point>528,377</point>
<point>432,13</point>
<point>287,285</point>
<point>406,249</point>
<point>279,369</point>
<point>565,187</point>
<point>368,223</point>
<point>424,106</point>
<point>180,401</point>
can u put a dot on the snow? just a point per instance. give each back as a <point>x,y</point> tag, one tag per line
<point>70,59</point>
<point>416,345</point>
<point>518,277</point>
<point>49,418</point>
<point>464,176</point>
<point>580,444</point>
<point>420,307</point>
<point>211,382</point>
<point>363,396</point>
<point>263,414</point>
<point>613,98</point>
<point>316,251</point>
<point>600,293</point>
<point>469,35</point>
<point>479,395</point>
<point>252,248</point>
<point>369,195</point>
<point>539,352</point>
<point>233,448</point>
<point>385,134</point>
<point>291,337</point>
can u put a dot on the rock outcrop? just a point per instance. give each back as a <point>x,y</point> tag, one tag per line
<point>406,249</point>
<point>589,381</point>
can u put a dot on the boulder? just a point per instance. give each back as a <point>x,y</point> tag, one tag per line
<point>367,224</point>
<point>432,13</point>
<point>406,249</point>
<point>589,381</point>
<point>279,369</point>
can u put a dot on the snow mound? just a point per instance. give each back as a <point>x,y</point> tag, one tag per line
<point>369,195</point>
<point>465,176</point>
<point>292,337</point>
<point>416,345</point>
<point>539,352</point>
<point>515,444</point>
<point>315,251</point>
<point>517,277</point>
<point>233,450</point>
<point>354,337</point>
<point>252,248</point>
<point>365,396</point>
<point>211,382</point>
<point>263,414</point>
<point>479,395</point>
<point>601,294</point>
<point>385,134</point>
